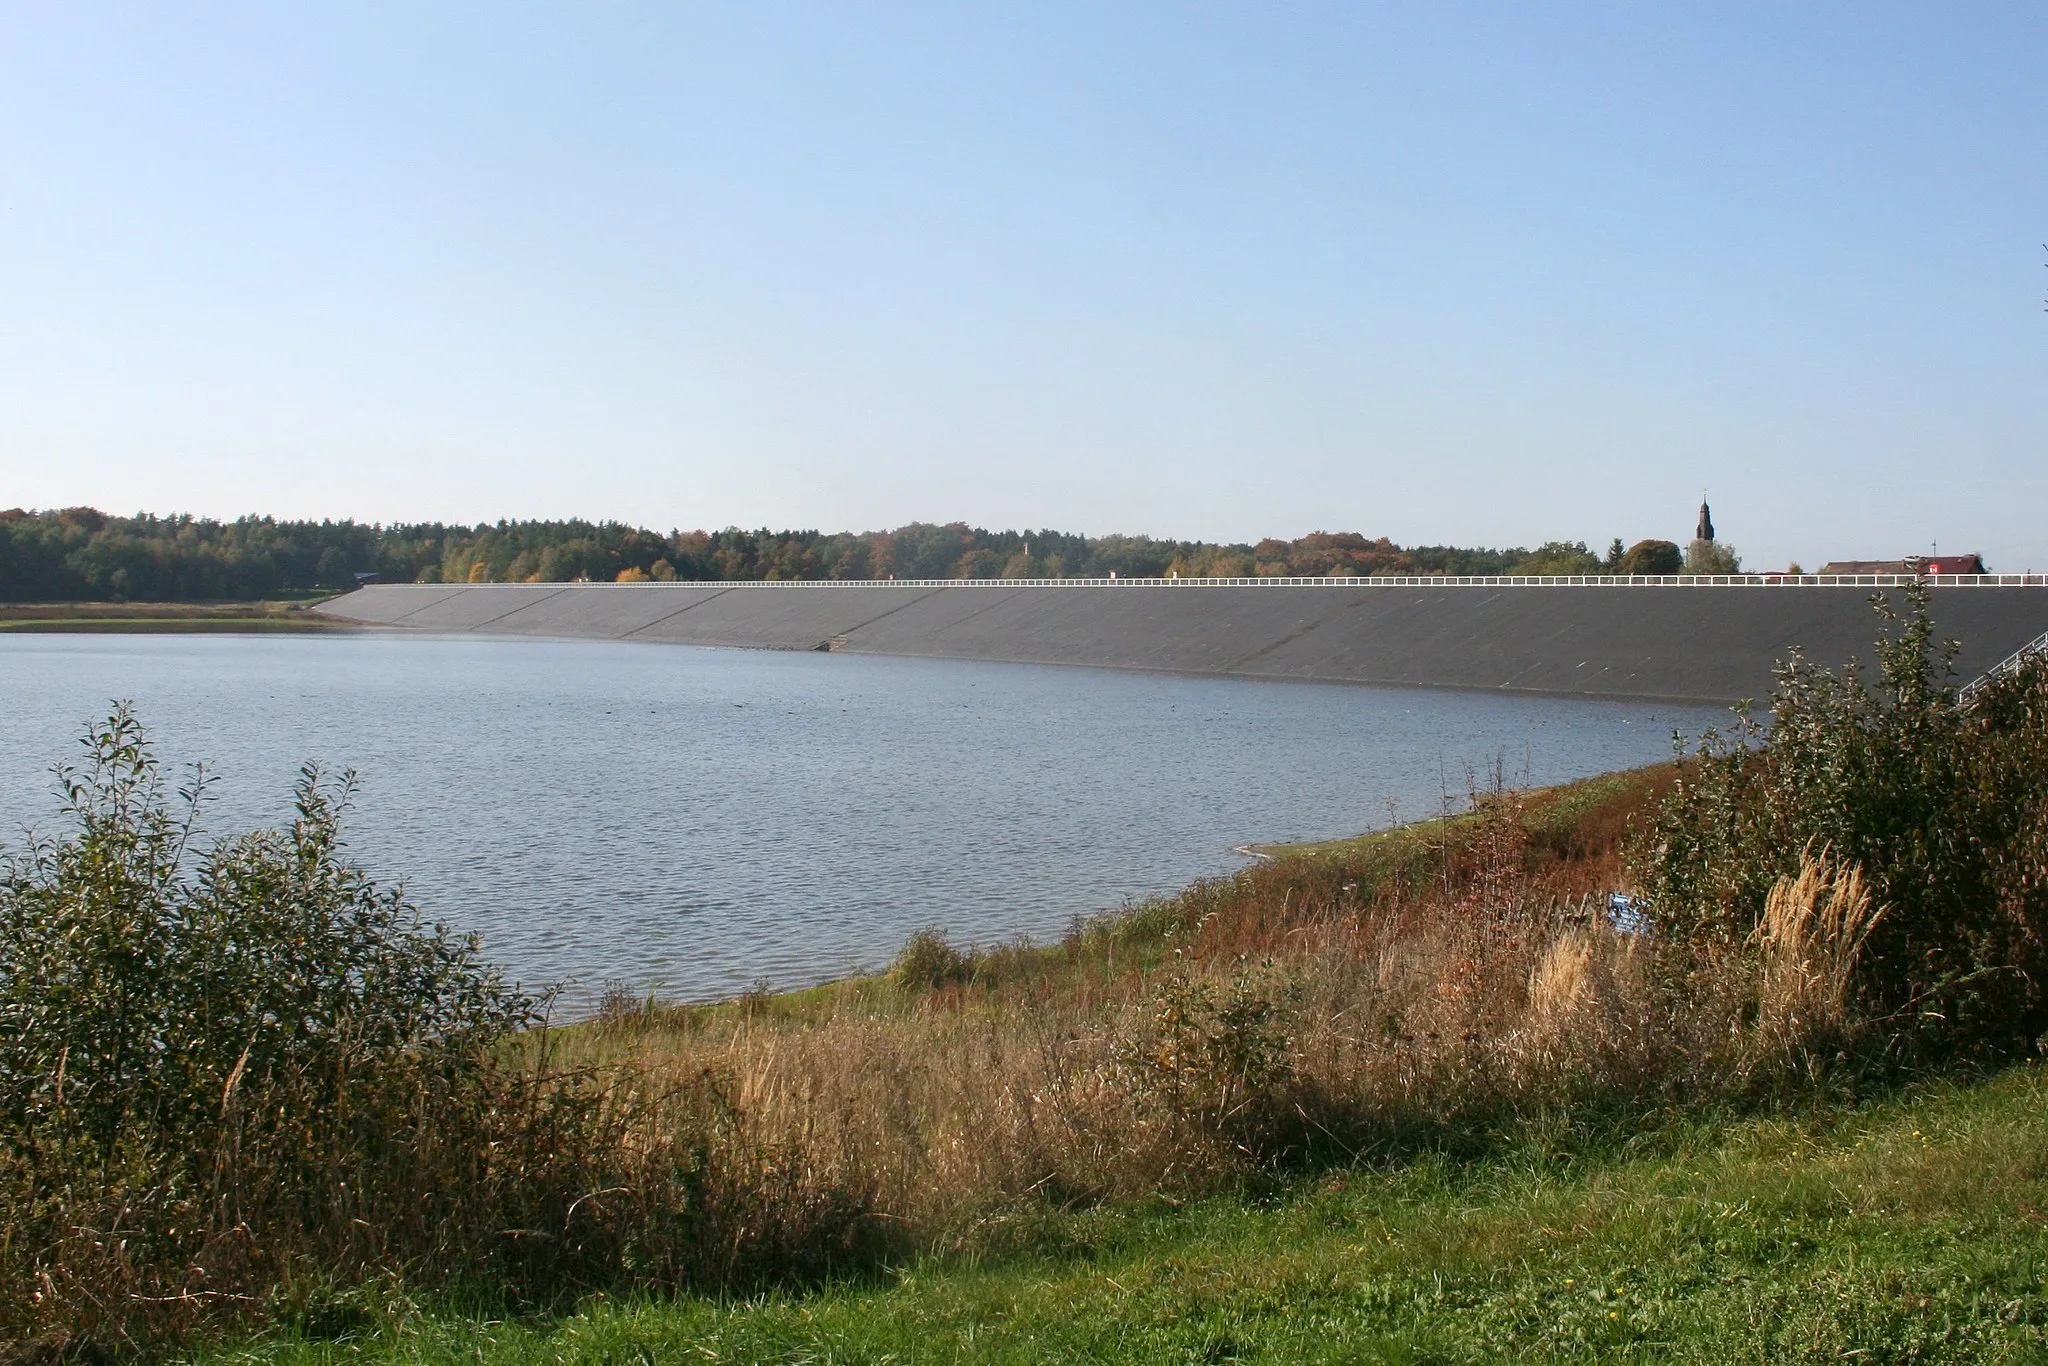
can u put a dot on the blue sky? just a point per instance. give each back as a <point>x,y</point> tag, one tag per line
<point>1448,273</point>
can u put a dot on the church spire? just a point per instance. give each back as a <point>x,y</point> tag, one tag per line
<point>1706,528</point>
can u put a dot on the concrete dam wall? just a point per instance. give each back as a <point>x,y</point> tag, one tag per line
<point>1688,640</point>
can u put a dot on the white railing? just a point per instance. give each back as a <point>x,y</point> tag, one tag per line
<point>2006,667</point>
<point>1385,581</point>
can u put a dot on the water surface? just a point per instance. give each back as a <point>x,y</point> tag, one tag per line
<point>701,820</point>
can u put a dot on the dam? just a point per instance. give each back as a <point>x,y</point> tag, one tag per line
<point>1682,639</point>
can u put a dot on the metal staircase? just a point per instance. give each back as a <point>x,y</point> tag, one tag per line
<point>2006,667</point>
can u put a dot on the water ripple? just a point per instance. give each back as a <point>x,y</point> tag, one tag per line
<point>695,821</point>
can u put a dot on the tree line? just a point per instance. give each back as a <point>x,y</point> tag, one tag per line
<point>84,555</point>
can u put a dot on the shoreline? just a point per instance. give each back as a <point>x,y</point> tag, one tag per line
<point>1141,928</point>
<point>161,626</point>
<point>149,618</point>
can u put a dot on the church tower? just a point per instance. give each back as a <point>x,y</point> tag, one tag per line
<point>1705,555</point>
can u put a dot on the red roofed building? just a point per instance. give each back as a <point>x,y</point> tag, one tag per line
<point>1912,564</point>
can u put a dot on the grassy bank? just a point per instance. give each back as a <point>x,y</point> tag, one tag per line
<point>287,615</point>
<point>1910,1229</point>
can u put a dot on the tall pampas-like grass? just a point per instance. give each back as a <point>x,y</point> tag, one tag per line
<point>1808,942</point>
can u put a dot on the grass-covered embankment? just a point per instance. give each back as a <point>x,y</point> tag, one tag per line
<point>1913,1228</point>
<point>160,617</point>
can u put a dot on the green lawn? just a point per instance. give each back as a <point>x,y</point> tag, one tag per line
<point>1911,1229</point>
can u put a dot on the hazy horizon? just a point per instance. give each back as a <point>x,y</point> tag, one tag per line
<point>1471,275</point>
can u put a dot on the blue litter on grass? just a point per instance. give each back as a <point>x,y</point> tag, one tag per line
<point>1628,915</point>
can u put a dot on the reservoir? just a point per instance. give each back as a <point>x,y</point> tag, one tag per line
<point>698,821</point>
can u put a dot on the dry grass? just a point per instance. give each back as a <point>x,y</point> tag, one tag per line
<point>1812,932</point>
<point>1263,1034</point>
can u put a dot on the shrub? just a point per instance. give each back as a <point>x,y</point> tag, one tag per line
<point>928,962</point>
<point>193,1043</point>
<point>1214,1057</point>
<point>233,1080</point>
<point>1940,805</point>
<point>141,988</point>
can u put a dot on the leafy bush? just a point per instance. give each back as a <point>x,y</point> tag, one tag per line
<point>142,989</point>
<point>1215,1058</point>
<point>928,962</point>
<point>1940,804</point>
<point>245,1079</point>
<point>194,1043</point>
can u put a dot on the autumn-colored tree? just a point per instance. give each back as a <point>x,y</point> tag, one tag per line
<point>1652,557</point>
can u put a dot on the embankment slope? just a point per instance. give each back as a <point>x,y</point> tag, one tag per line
<point>1666,640</point>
